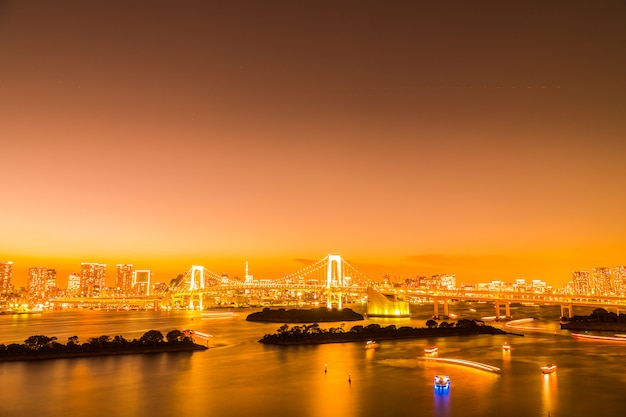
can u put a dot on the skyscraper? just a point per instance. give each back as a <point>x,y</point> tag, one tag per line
<point>37,279</point>
<point>6,273</point>
<point>601,281</point>
<point>581,280</point>
<point>619,280</point>
<point>141,282</point>
<point>124,278</point>
<point>73,284</point>
<point>92,278</point>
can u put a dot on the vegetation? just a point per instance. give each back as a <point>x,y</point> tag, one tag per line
<point>599,319</point>
<point>314,315</point>
<point>44,347</point>
<point>314,334</point>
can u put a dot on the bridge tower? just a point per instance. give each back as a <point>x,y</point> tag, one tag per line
<point>196,284</point>
<point>334,278</point>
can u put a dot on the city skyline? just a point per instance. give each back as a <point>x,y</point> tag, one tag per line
<point>415,138</point>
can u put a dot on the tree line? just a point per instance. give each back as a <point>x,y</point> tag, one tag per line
<point>39,344</point>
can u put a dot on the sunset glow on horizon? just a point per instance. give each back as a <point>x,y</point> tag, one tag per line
<point>483,139</point>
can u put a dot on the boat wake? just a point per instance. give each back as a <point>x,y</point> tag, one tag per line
<point>515,324</point>
<point>477,365</point>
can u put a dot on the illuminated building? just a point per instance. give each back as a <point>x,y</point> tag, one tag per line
<point>582,282</point>
<point>51,280</point>
<point>141,282</point>
<point>37,280</point>
<point>92,278</point>
<point>124,278</point>
<point>381,305</point>
<point>73,284</point>
<point>6,273</point>
<point>448,281</point>
<point>619,280</point>
<point>249,278</point>
<point>601,281</point>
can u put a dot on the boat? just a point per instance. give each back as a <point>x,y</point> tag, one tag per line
<point>506,346</point>
<point>472,310</point>
<point>548,369</point>
<point>431,351</point>
<point>371,344</point>
<point>442,381</point>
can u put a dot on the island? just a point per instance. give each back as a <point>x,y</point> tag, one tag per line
<point>600,320</point>
<point>43,347</point>
<point>314,315</point>
<point>313,334</point>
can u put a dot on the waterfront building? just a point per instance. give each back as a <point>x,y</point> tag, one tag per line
<point>37,278</point>
<point>448,281</point>
<point>539,286</point>
<point>601,281</point>
<point>124,278</point>
<point>51,281</point>
<point>582,282</point>
<point>92,278</point>
<point>141,282</point>
<point>619,280</point>
<point>6,273</point>
<point>73,284</point>
<point>249,278</point>
<point>520,285</point>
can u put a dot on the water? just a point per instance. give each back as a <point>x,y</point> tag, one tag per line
<point>238,376</point>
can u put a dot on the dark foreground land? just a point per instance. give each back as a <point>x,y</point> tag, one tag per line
<point>307,335</point>
<point>44,347</point>
<point>314,315</point>
<point>599,319</point>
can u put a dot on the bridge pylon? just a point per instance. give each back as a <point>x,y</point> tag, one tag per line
<point>334,279</point>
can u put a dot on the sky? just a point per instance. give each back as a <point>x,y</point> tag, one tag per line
<point>485,138</point>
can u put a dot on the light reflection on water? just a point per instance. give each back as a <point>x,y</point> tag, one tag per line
<point>239,376</point>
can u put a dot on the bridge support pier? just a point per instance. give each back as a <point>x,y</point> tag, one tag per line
<point>436,308</point>
<point>507,310</point>
<point>445,308</point>
<point>570,310</point>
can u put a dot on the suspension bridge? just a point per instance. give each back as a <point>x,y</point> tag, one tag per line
<point>330,281</point>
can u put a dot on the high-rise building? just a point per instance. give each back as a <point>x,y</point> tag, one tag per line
<point>124,278</point>
<point>582,282</point>
<point>141,282</point>
<point>601,281</point>
<point>6,273</point>
<point>619,280</point>
<point>73,284</point>
<point>37,280</point>
<point>92,278</point>
<point>448,281</point>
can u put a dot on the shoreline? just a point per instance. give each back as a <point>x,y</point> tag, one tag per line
<point>382,334</point>
<point>35,356</point>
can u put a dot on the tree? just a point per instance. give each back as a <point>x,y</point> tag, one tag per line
<point>431,324</point>
<point>175,336</point>
<point>37,342</point>
<point>151,337</point>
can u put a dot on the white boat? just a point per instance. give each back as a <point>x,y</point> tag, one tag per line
<point>371,344</point>
<point>431,351</point>
<point>506,346</point>
<point>548,369</point>
<point>442,381</point>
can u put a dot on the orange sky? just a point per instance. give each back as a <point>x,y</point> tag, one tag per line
<point>480,138</point>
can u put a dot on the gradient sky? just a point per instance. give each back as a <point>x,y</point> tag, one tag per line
<point>482,138</point>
